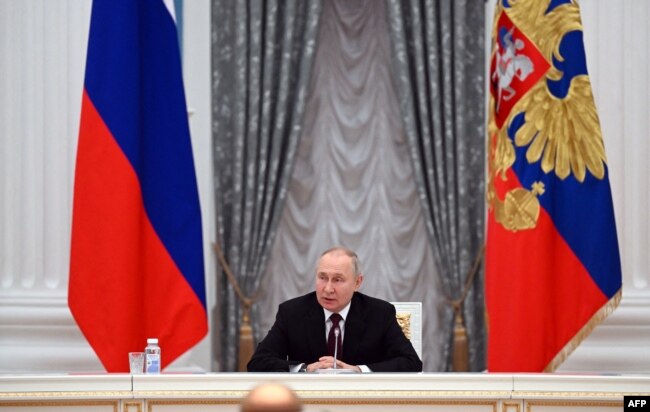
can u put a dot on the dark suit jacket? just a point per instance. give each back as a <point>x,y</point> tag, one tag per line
<point>372,337</point>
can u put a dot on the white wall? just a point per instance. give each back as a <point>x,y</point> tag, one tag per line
<point>43,48</point>
<point>42,59</point>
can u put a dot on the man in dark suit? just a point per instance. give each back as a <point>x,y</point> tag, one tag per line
<point>303,336</point>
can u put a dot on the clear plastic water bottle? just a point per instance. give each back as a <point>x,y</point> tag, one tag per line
<point>152,356</point>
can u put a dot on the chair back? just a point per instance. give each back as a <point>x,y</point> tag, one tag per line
<point>409,316</point>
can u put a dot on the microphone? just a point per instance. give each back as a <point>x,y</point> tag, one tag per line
<point>336,344</point>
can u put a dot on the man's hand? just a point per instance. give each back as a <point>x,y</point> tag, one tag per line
<point>326,362</point>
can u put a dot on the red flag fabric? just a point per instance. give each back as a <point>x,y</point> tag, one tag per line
<point>136,268</point>
<point>552,261</point>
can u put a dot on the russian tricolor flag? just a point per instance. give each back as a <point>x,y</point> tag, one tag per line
<point>136,267</point>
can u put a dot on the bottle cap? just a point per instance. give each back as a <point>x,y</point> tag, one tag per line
<point>152,340</point>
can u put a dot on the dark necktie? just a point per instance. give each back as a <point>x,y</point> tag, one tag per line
<point>331,338</point>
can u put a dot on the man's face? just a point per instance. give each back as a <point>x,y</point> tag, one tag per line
<point>335,281</point>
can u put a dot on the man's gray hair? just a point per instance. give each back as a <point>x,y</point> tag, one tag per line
<point>356,265</point>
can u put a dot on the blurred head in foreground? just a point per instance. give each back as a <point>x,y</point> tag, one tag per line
<point>271,397</point>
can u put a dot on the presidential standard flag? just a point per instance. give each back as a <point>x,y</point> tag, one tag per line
<point>552,263</point>
<point>136,267</point>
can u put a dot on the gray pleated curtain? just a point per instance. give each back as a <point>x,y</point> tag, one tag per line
<point>438,54</point>
<point>262,52</point>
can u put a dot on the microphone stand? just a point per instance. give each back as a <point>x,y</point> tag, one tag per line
<point>336,344</point>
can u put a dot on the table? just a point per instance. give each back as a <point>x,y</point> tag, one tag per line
<point>348,392</point>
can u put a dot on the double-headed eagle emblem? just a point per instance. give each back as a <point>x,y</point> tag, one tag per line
<point>561,133</point>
